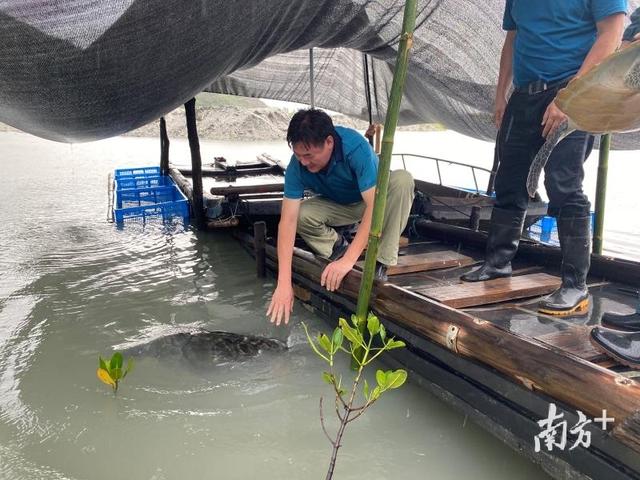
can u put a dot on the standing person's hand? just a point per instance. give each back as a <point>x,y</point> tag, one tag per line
<point>281,304</point>
<point>500,107</point>
<point>371,131</point>
<point>552,119</point>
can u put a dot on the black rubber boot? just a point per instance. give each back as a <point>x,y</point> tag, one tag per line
<point>627,323</point>
<point>339,248</point>
<point>623,346</point>
<point>380,272</point>
<point>572,297</point>
<point>502,244</point>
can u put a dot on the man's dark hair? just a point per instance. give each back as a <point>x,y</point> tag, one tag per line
<point>311,127</point>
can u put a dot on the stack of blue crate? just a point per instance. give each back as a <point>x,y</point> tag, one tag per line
<point>545,229</point>
<point>141,193</point>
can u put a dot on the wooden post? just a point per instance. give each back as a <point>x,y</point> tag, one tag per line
<point>259,241</point>
<point>474,219</point>
<point>164,148</point>
<point>399,75</point>
<point>601,193</point>
<point>196,164</point>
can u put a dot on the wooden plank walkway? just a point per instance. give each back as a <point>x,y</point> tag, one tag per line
<point>472,294</point>
<point>424,262</point>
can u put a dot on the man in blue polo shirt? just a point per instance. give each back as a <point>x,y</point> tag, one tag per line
<point>341,168</point>
<point>548,43</point>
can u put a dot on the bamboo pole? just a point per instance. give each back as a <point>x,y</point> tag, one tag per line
<point>601,193</point>
<point>391,120</point>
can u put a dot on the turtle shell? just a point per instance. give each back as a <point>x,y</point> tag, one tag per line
<point>607,97</point>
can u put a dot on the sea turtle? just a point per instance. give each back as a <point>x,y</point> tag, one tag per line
<point>604,100</point>
<point>204,347</point>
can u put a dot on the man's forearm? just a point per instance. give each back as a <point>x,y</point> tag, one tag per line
<point>505,75</point>
<point>362,237</point>
<point>286,239</point>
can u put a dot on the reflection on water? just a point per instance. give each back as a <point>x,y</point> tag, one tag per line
<point>72,287</point>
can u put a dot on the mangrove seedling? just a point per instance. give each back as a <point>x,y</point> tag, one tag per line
<point>111,372</point>
<point>366,341</point>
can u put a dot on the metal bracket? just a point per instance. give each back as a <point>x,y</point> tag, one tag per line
<point>452,338</point>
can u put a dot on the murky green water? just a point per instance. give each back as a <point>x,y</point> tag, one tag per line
<point>72,286</point>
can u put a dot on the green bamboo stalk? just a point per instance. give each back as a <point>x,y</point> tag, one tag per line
<point>601,193</point>
<point>391,120</point>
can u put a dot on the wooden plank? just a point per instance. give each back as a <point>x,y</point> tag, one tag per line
<point>472,294</point>
<point>575,339</point>
<point>231,190</point>
<point>424,262</point>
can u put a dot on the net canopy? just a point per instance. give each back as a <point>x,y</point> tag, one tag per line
<point>80,70</point>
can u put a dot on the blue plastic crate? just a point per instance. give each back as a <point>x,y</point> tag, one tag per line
<point>546,229</point>
<point>164,210</point>
<point>142,181</point>
<point>136,172</point>
<point>142,203</point>
<point>137,197</point>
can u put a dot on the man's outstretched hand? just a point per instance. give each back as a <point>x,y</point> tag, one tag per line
<point>334,273</point>
<point>281,304</point>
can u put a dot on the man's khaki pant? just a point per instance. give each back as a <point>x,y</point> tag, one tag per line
<point>318,215</point>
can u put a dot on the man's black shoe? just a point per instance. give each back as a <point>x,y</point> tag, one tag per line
<point>339,248</point>
<point>628,323</point>
<point>380,272</point>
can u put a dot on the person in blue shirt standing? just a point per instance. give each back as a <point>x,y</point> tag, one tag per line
<point>341,168</point>
<point>548,43</point>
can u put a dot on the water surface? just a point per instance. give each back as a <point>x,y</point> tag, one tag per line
<point>72,287</point>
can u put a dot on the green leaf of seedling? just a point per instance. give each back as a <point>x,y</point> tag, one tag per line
<point>381,378</point>
<point>328,378</point>
<point>324,342</point>
<point>365,389</point>
<point>350,333</point>
<point>391,344</point>
<point>396,379</point>
<point>116,374</point>
<point>336,339</point>
<point>103,364</point>
<point>116,361</point>
<point>373,325</point>
<point>354,321</point>
<point>313,344</point>
<point>383,332</point>
<point>129,367</point>
<point>375,394</point>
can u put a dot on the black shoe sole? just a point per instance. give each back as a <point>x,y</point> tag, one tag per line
<point>580,309</point>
